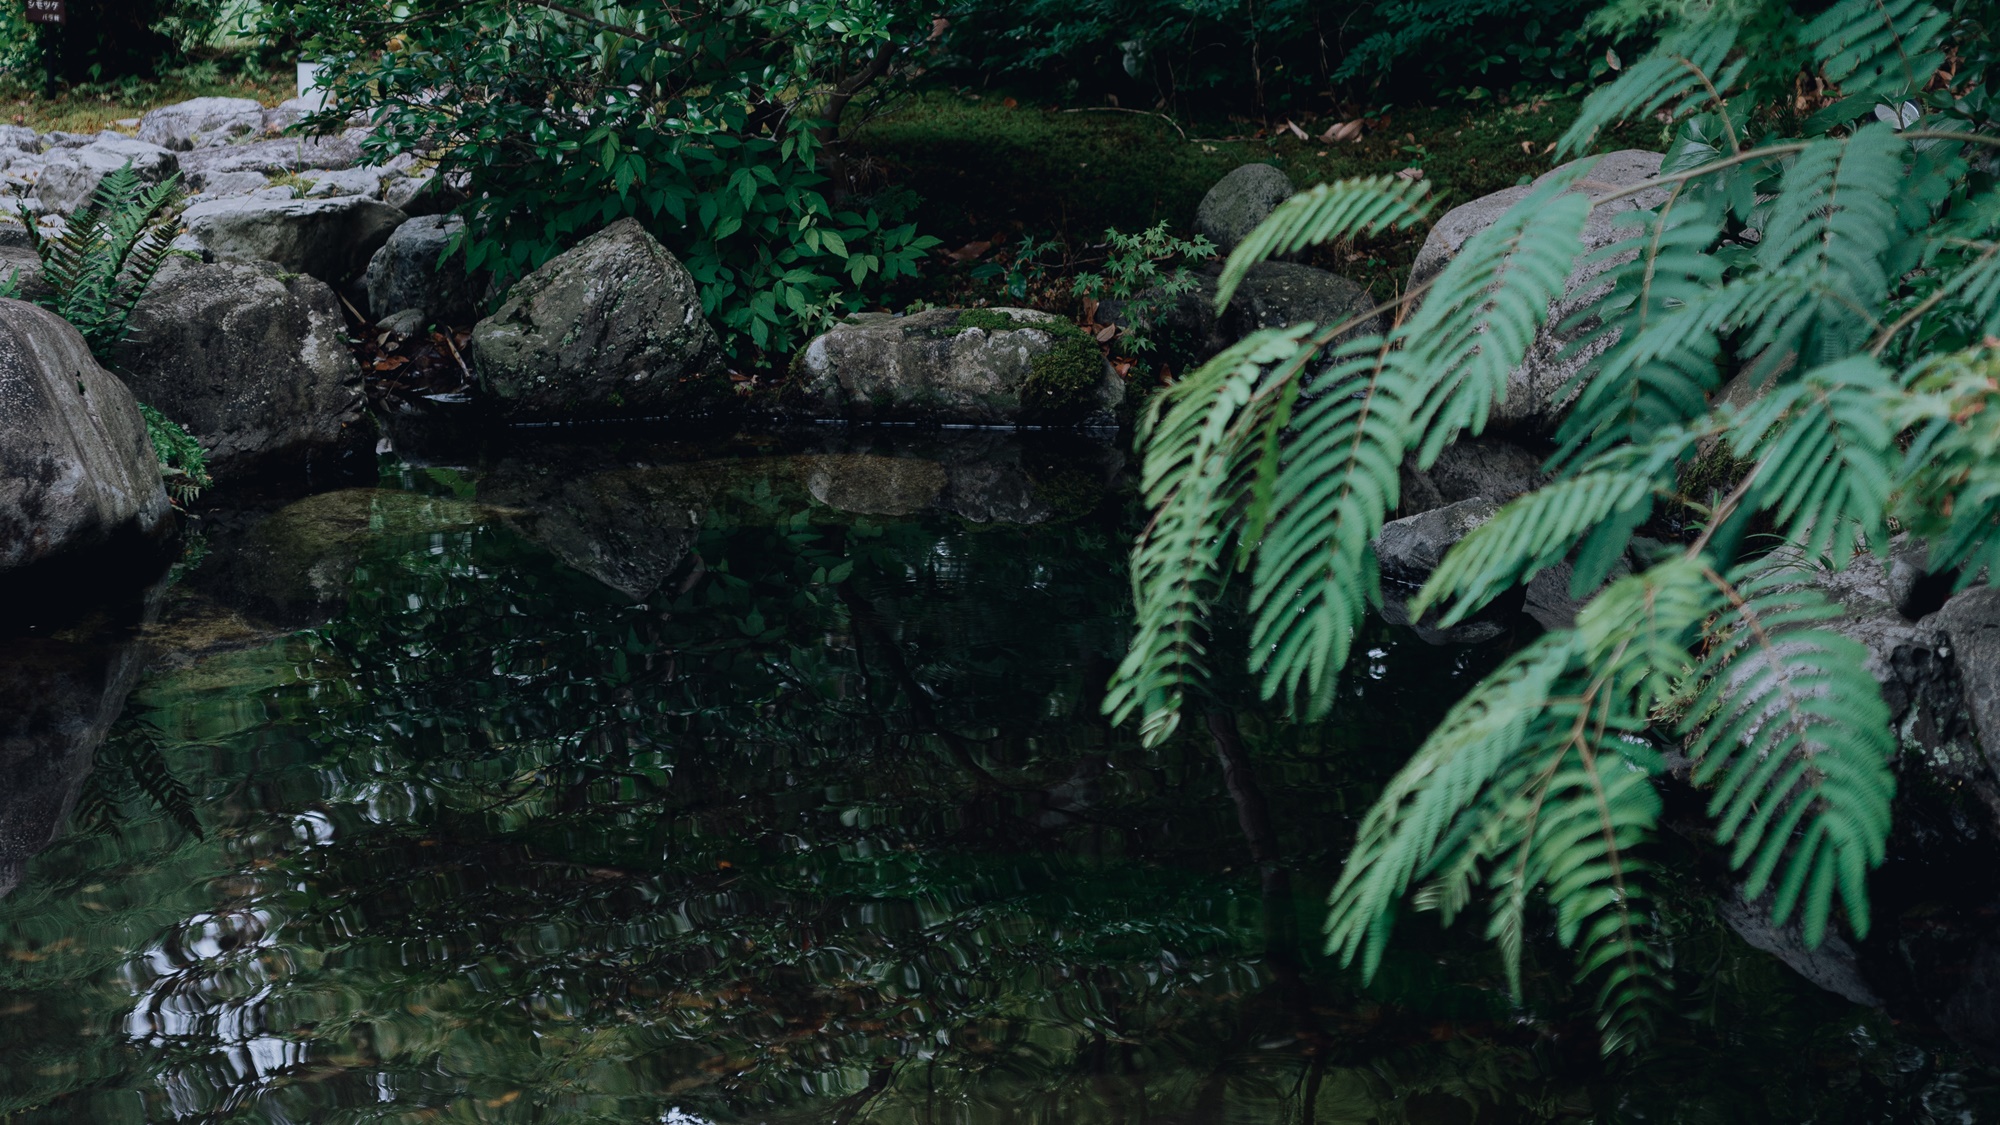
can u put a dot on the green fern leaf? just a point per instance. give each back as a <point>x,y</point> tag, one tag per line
<point>1326,213</point>
<point>1793,738</point>
<point>1884,49</point>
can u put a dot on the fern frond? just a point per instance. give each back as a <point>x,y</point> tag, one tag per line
<point>1484,310</point>
<point>1329,212</point>
<point>1202,438</point>
<point>1832,224</point>
<point>1660,366</point>
<point>1686,71</point>
<point>1827,455</point>
<point>1793,737</point>
<point>1403,834</point>
<point>1339,477</point>
<point>1880,49</point>
<point>1539,529</point>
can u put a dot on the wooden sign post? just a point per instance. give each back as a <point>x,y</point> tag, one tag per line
<point>48,11</point>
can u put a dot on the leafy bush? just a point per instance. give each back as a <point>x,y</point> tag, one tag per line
<point>1832,266</point>
<point>716,124</point>
<point>1133,267</point>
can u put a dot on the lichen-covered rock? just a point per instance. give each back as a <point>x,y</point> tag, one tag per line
<point>1239,201</point>
<point>76,468</point>
<point>611,326</point>
<point>973,366</point>
<point>331,239</point>
<point>250,359</point>
<point>70,177</point>
<point>410,272</point>
<point>201,122</point>
<point>1534,399</point>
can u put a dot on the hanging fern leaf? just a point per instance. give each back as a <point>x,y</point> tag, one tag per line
<point>1793,737</point>
<point>1327,213</point>
<point>1878,49</point>
<point>1826,456</point>
<point>1201,437</point>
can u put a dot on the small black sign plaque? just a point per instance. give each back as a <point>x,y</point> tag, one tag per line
<point>48,11</point>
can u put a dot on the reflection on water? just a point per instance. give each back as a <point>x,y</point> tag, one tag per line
<point>600,786</point>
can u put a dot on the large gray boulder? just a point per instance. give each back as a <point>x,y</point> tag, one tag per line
<point>331,239</point>
<point>1535,398</point>
<point>612,326</point>
<point>201,123</point>
<point>250,359</point>
<point>272,157</point>
<point>1239,201</point>
<point>69,177</point>
<point>77,470</point>
<point>1408,549</point>
<point>972,366</point>
<point>1489,467</point>
<point>410,272</point>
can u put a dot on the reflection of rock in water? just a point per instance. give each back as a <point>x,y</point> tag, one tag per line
<point>874,486</point>
<point>293,568</point>
<point>629,528</point>
<point>987,477</point>
<point>58,698</point>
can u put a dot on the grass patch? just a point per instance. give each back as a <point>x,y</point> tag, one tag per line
<point>983,168</point>
<point>92,109</point>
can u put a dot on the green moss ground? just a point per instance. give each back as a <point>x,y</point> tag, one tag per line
<point>983,168</point>
<point>91,109</point>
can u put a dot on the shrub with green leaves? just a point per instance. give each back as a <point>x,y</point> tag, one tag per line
<point>1853,270</point>
<point>1133,267</point>
<point>715,123</point>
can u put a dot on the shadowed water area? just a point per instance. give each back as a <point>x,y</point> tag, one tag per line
<point>618,781</point>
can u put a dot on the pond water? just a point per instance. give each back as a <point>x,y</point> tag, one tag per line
<point>625,782</point>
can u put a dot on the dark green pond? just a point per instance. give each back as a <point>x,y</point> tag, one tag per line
<point>606,784</point>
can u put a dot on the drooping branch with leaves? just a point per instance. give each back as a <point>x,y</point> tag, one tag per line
<point>1849,271</point>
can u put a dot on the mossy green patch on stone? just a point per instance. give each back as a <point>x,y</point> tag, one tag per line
<point>1062,382</point>
<point>992,320</point>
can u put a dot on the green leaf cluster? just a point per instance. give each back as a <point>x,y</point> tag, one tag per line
<point>716,124</point>
<point>1848,271</point>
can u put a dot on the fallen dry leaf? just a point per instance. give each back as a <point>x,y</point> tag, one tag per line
<point>1010,103</point>
<point>969,251</point>
<point>1344,131</point>
<point>1528,147</point>
<point>1292,127</point>
<point>1107,334</point>
<point>1411,174</point>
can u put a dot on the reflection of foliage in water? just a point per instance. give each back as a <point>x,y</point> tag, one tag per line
<point>832,834</point>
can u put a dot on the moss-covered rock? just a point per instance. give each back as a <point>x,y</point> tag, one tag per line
<point>966,366</point>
